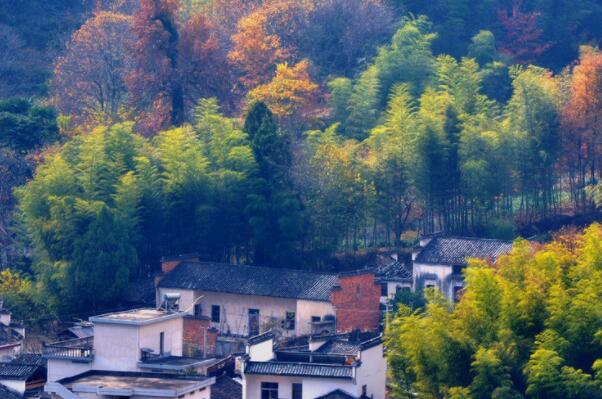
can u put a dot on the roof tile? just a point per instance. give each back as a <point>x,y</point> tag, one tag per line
<point>250,280</point>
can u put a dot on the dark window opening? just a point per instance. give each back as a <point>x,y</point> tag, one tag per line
<point>364,390</point>
<point>253,322</point>
<point>297,391</point>
<point>269,390</point>
<point>198,310</point>
<point>315,319</point>
<point>457,270</point>
<point>458,291</point>
<point>161,342</point>
<point>289,322</point>
<point>384,289</point>
<point>215,310</point>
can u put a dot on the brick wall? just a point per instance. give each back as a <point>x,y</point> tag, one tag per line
<point>357,303</point>
<point>199,337</point>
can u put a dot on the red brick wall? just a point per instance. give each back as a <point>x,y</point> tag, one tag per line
<point>197,334</point>
<point>357,303</point>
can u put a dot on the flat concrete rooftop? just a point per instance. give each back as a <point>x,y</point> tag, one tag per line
<point>134,383</point>
<point>136,316</point>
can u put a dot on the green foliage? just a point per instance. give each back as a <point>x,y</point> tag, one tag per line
<point>523,327</point>
<point>408,58</point>
<point>104,208</point>
<point>276,216</point>
<point>25,126</point>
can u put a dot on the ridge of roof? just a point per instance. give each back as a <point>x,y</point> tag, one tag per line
<point>456,250</point>
<point>251,280</point>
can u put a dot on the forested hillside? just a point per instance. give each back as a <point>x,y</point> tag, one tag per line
<point>281,132</point>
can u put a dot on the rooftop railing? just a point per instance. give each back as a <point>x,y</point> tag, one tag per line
<point>75,349</point>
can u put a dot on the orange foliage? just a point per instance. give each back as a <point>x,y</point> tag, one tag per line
<point>291,95</point>
<point>582,121</point>
<point>255,52</point>
<point>88,82</point>
<point>175,64</point>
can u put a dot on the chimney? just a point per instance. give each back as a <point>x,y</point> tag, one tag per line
<point>168,263</point>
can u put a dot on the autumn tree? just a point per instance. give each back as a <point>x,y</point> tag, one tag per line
<point>174,64</point>
<point>88,84</point>
<point>581,119</point>
<point>524,40</point>
<point>291,95</point>
<point>256,52</point>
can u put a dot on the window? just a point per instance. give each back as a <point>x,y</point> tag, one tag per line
<point>198,311</point>
<point>315,319</point>
<point>384,289</point>
<point>215,313</point>
<point>458,291</point>
<point>297,391</point>
<point>399,289</point>
<point>289,322</point>
<point>269,390</point>
<point>161,342</point>
<point>364,390</point>
<point>457,270</point>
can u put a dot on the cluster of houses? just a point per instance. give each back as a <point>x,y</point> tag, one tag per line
<point>220,331</point>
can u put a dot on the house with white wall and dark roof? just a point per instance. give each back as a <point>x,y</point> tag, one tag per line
<point>12,335</point>
<point>332,366</point>
<point>134,354</point>
<point>243,301</point>
<point>438,262</point>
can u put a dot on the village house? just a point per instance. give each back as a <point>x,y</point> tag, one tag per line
<point>393,275</point>
<point>23,376</point>
<point>349,366</point>
<point>133,354</point>
<point>438,262</point>
<point>243,301</point>
<point>11,335</point>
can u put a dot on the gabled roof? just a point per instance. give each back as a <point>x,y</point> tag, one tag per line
<point>338,347</point>
<point>393,271</point>
<point>9,336</point>
<point>456,250</point>
<point>6,393</point>
<point>299,369</point>
<point>250,280</point>
<point>30,359</point>
<point>226,388</point>
<point>19,372</point>
<point>337,394</point>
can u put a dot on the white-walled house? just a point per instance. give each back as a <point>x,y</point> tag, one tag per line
<point>124,358</point>
<point>439,261</point>
<point>329,367</point>
<point>11,336</point>
<point>245,300</point>
<point>393,276</point>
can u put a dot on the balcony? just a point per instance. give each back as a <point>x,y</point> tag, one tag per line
<point>77,350</point>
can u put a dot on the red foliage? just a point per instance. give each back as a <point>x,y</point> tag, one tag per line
<point>523,37</point>
<point>174,65</point>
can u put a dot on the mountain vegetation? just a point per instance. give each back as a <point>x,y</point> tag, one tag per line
<point>281,132</point>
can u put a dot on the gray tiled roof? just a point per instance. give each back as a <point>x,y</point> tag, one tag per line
<point>395,271</point>
<point>19,372</point>
<point>337,394</point>
<point>30,359</point>
<point>6,393</point>
<point>250,280</point>
<point>226,388</point>
<point>455,251</point>
<point>299,369</point>
<point>339,347</point>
